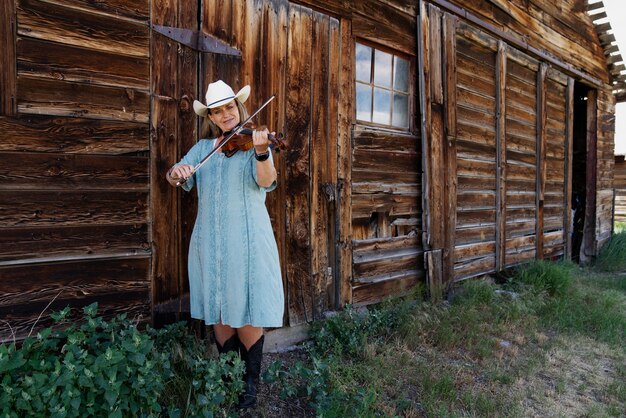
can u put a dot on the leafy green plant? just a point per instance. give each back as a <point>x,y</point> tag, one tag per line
<point>107,368</point>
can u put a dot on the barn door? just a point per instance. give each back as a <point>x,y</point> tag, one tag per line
<point>283,49</point>
<point>174,86</point>
<point>310,165</point>
<point>499,137</point>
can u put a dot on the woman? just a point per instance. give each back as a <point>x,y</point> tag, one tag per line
<point>234,273</point>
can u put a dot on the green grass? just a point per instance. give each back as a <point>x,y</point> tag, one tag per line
<point>493,350</point>
<point>612,257</point>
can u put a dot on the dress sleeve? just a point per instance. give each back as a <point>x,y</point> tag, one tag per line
<point>192,158</point>
<point>256,180</point>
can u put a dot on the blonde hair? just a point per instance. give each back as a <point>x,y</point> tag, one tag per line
<point>211,130</point>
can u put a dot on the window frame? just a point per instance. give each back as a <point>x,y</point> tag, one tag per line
<point>411,94</point>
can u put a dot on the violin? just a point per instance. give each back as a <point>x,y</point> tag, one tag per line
<point>243,141</point>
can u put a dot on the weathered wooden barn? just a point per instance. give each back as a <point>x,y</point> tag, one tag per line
<point>429,142</point>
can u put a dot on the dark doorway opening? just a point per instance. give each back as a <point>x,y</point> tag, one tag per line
<point>579,167</point>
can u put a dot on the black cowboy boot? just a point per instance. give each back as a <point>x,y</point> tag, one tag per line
<point>231,344</point>
<point>252,358</point>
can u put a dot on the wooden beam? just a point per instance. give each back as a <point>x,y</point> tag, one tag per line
<point>8,72</point>
<point>450,23</point>
<point>423,57</point>
<point>541,156</point>
<point>569,155</point>
<point>436,140</point>
<point>163,154</point>
<point>501,58</point>
<point>344,167</point>
<point>434,271</point>
<point>589,230</point>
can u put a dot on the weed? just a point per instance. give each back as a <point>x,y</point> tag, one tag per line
<point>110,368</point>
<point>544,276</point>
<point>612,257</point>
<point>589,310</point>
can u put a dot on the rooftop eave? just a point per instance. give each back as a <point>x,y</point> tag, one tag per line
<point>614,61</point>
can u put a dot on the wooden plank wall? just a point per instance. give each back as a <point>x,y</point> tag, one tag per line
<point>386,222</point>
<point>563,29</point>
<point>512,171</point>
<point>74,196</point>
<point>294,52</point>
<point>555,204</point>
<point>605,166</point>
<point>173,131</point>
<point>620,188</point>
<point>475,230</point>
<point>521,162</point>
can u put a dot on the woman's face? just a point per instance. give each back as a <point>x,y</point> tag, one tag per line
<point>226,117</point>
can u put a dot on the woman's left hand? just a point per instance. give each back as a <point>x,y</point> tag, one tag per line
<point>260,140</point>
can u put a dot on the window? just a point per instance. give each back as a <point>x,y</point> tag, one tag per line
<point>382,87</point>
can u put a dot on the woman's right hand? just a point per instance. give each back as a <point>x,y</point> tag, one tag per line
<point>179,172</point>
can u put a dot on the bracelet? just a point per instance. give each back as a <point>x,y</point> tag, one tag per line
<point>262,157</point>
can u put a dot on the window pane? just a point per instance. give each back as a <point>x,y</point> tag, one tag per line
<point>401,75</point>
<point>382,68</point>
<point>363,63</point>
<point>363,102</point>
<point>382,106</point>
<point>400,114</point>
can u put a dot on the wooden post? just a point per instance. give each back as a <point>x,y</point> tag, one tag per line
<point>541,157</point>
<point>424,91</point>
<point>501,156</point>
<point>344,167</point>
<point>8,75</point>
<point>589,230</point>
<point>569,155</point>
<point>449,32</point>
<point>434,271</point>
<point>437,138</point>
<point>164,150</point>
<point>299,292</point>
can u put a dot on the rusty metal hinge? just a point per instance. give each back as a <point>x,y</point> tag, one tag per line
<point>197,40</point>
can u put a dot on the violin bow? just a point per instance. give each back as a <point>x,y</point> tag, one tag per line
<point>225,141</point>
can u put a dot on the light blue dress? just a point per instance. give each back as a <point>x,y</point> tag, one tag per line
<point>234,271</point>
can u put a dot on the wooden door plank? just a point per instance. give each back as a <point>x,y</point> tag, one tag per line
<point>274,47</point>
<point>299,73</point>
<point>320,142</point>
<point>187,135</point>
<point>344,164</point>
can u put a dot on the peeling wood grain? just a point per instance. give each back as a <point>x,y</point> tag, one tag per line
<point>62,98</point>
<point>37,171</point>
<point>50,60</point>
<point>83,28</point>
<point>42,133</point>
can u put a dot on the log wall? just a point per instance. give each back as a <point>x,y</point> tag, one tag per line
<point>386,189</point>
<point>96,106</point>
<point>74,133</point>
<point>507,145</point>
<point>605,167</point>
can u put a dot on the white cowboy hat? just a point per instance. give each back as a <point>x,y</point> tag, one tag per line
<point>218,94</point>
